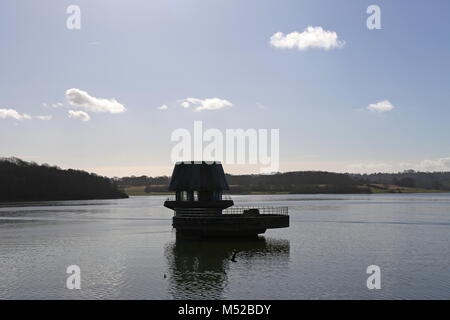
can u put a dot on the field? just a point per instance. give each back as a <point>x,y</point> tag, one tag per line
<point>390,188</point>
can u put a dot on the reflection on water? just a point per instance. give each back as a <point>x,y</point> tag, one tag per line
<point>124,248</point>
<point>199,268</point>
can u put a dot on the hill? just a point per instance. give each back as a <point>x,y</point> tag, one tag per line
<point>309,182</point>
<point>28,181</point>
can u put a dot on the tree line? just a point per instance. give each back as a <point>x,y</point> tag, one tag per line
<point>408,178</point>
<point>305,182</point>
<point>28,181</point>
<point>290,182</point>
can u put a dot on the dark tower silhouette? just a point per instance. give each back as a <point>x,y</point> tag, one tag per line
<point>198,188</point>
<point>199,202</point>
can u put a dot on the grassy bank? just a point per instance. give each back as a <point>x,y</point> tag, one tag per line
<point>390,188</point>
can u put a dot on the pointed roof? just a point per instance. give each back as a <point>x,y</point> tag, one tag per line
<point>198,176</point>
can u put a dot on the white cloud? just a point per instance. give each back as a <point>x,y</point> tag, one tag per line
<point>80,98</point>
<point>205,104</point>
<point>163,107</point>
<point>371,167</point>
<point>80,115</point>
<point>442,164</point>
<point>49,117</point>
<point>311,37</point>
<point>382,106</point>
<point>52,105</point>
<point>13,114</point>
<point>260,106</point>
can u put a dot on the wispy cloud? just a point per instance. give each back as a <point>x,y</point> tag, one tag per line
<point>52,105</point>
<point>311,37</point>
<point>13,114</point>
<point>260,106</point>
<point>185,104</point>
<point>163,107</point>
<point>205,104</point>
<point>428,165</point>
<point>371,167</point>
<point>82,99</point>
<point>441,164</point>
<point>45,118</point>
<point>80,115</point>
<point>382,106</point>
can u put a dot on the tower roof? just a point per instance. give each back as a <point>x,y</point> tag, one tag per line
<point>198,176</point>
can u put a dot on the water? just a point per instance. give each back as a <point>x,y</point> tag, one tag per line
<point>125,247</point>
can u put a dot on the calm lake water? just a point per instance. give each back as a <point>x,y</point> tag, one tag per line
<point>125,247</point>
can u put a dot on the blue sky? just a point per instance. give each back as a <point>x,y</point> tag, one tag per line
<point>146,54</point>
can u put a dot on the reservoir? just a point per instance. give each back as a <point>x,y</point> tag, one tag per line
<point>127,249</point>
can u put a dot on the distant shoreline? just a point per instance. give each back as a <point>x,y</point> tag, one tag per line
<point>23,181</point>
<point>411,191</point>
<point>5,204</point>
<point>307,182</point>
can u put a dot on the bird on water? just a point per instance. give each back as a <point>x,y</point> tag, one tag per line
<point>233,258</point>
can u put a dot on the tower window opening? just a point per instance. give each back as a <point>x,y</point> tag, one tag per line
<point>217,195</point>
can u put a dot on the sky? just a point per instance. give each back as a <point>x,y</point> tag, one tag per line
<point>106,97</point>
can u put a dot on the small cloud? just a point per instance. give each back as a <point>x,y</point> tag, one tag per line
<point>311,37</point>
<point>80,115</point>
<point>429,165</point>
<point>82,99</point>
<point>260,105</point>
<point>13,114</point>
<point>441,164</point>
<point>163,107</point>
<point>45,118</point>
<point>382,106</point>
<point>52,105</point>
<point>205,104</point>
<point>371,167</point>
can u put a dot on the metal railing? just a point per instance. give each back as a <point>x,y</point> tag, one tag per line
<point>283,211</point>
<point>224,197</point>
